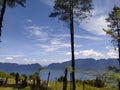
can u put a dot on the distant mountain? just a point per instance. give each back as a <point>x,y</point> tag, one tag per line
<point>86,64</point>
<point>81,64</point>
<point>16,67</point>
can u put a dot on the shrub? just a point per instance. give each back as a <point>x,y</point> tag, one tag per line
<point>60,79</point>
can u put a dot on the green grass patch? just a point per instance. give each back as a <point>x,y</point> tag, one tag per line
<point>52,86</point>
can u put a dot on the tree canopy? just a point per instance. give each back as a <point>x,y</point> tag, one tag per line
<point>114,26</point>
<point>13,3</point>
<point>81,9</point>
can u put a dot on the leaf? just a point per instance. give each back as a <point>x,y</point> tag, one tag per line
<point>112,34</point>
<point>108,31</point>
<point>1,2</point>
<point>70,68</point>
<point>21,2</point>
<point>54,14</point>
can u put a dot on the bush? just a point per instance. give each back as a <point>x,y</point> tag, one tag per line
<point>96,83</point>
<point>99,83</point>
<point>60,79</point>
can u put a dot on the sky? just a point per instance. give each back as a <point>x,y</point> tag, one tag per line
<point>30,36</point>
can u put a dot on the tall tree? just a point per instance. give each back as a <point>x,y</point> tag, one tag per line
<point>114,30</point>
<point>70,11</point>
<point>10,3</point>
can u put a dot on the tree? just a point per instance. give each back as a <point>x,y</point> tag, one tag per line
<point>114,31</point>
<point>70,11</point>
<point>10,3</point>
<point>112,74</point>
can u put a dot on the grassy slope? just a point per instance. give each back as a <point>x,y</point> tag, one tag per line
<point>52,86</point>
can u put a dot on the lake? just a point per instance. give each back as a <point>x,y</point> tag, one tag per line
<point>55,74</point>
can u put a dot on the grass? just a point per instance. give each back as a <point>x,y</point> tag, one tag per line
<point>52,86</point>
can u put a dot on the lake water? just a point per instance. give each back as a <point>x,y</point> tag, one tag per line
<point>55,74</point>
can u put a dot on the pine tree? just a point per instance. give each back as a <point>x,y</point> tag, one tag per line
<point>114,31</point>
<point>70,11</point>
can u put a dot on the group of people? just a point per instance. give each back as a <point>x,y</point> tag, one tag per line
<point>24,81</point>
<point>3,81</point>
<point>17,79</point>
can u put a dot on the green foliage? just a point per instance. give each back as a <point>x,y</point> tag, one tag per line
<point>5,75</point>
<point>96,83</point>
<point>60,79</point>
<point>13,3</point>
<point>2,74</point>
<point>23,76</point>
<point>13,74</point>
<point>112,77</point>
<point>114,69</point>
<point>40,69</point>
<point>33,76</point>
<point>81,9</point>
<point>114,25</point>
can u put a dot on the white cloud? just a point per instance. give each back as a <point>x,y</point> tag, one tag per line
<point>55,45</point>
<point>80,37</point>
<point>88,54</point>
<point>9,58</point>
<point>107,47</point>
<point>97,22</point>
<point>91,53</point>
<point>29,21</point>
<point>95,25</point>
<point>55,42</point>
<point>76,53</point>
<point>95,54</point>
<point>112,54</point>
<point>88,37</point>
<point>42,62</point>
<point>11,55</point>
<point>40,32</point>
<point>48,2</point>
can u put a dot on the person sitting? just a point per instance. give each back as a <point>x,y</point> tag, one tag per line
<point>24,82</point>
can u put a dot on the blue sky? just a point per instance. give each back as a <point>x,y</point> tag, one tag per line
<point>30,36</point>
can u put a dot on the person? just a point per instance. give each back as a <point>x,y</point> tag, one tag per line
<point>38,80</point>
<point>1,81</point>
<point>24,82</point>
<point>6,81</point>
<point>17,78</point>
<point>45,84</point>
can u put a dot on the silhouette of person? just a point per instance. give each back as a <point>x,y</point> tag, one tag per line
<point>1,81</point>
<point>17,78</point>
<point>6,81</point>
<point>24,82</point>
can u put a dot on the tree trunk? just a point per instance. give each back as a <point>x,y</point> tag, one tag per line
<point>118,32</point>
<point>48,80</point>
<point>65,80</point>
<point>72,43</point>
<point>2,15</point>
<point>83,85</point>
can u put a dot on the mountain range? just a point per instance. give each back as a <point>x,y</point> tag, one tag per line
<point>86,64</point>
<point>17,67</point>
<point>81,64</point>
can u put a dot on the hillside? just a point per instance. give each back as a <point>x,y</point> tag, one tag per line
<point>17,67</point>
<point>81,64</point>
<point>86,64</point>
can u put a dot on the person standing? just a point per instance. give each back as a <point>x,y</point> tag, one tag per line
<point>17,78</point>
